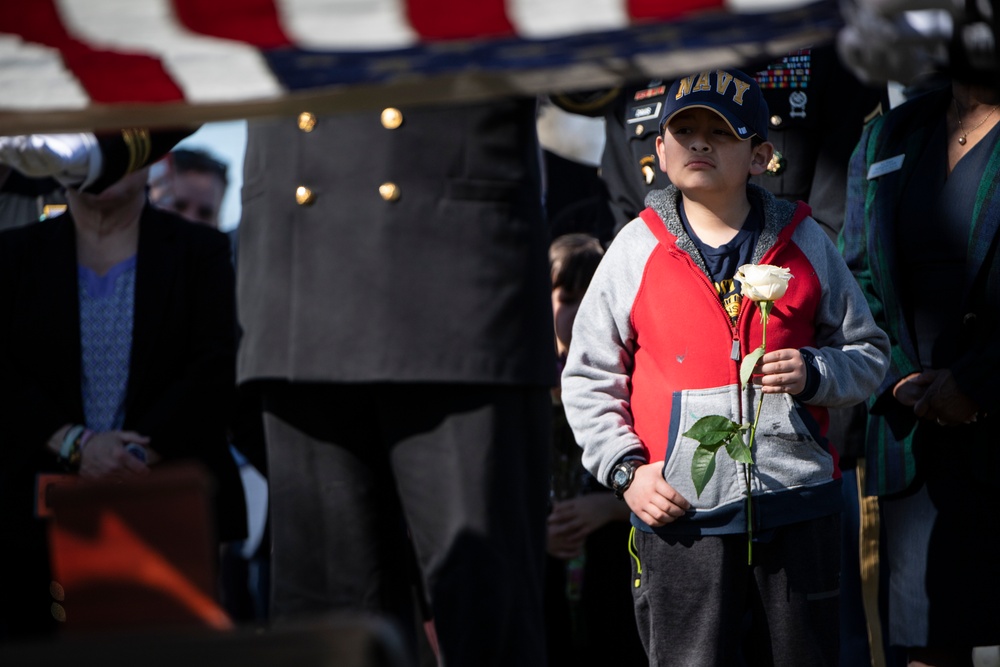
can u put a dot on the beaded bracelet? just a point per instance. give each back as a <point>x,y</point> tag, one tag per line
<point>72,446</point>
<point>77,454</point>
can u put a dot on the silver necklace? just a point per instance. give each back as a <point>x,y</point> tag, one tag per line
<point>961,128</point>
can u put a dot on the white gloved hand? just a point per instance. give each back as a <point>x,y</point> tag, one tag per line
<point>72,159</point>
<point>896,40</point>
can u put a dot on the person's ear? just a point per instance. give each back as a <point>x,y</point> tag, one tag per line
<point>760,158</point>
<point>661,153</point>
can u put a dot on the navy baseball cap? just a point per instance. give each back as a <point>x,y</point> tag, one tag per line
<point>732,94</point>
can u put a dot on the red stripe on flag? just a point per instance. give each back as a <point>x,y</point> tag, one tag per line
<point>458,19</point>
<point>657,9</point>
<point>255,22</point>
<point>107,76</point>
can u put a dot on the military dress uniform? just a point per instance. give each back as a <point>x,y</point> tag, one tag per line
<point>25,199</point>
<point>394,295</point>
<point>131,149</point>
<point>818,110</point>
<point>629,166</point>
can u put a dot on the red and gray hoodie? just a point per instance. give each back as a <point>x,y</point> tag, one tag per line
<point>653,350</point>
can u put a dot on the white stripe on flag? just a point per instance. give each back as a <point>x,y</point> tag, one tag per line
<point>207,69</point>
<point>762,6</point>
<point>33,76</point>
<point>347,25</point>
<point>540,19</point>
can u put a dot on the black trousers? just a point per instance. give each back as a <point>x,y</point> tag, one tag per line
<point>362,477</point>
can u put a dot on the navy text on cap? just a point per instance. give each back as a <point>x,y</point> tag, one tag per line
<point>732,94</point>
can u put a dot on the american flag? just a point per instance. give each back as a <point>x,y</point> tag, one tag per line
<point>81,64</point>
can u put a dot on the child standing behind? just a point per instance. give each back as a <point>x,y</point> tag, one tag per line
<point>657,345</point>
<point>587,568</point>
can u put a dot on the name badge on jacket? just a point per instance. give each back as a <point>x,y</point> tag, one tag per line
<point>883,167</point>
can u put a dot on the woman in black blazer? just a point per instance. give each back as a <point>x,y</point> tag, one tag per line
<point>84,372</point>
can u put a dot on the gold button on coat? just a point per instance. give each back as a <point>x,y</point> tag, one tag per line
<point>776,120</point>
<point>307,121</point>
<point>389,191</point>
<point>391,118</point>
<point>638,129</point>
<point>304,196</point>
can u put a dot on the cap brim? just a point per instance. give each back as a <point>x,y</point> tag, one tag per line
<point>731,120</point>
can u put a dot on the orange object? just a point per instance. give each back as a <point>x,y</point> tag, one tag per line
<point>136,553</point>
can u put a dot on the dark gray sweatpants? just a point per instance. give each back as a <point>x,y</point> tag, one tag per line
<point>698,603</point>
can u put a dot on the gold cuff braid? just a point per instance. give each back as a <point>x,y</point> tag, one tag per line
<point>139,147</point>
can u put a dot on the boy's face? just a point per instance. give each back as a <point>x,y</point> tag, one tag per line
<point>700,154</point>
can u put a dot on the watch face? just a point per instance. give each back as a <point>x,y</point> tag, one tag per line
<point>620,477</point>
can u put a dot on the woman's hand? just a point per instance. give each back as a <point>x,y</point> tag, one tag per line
<point>104,456</point>
<point>934,394</point>
<point>943,401</point>
<point>911,389</point>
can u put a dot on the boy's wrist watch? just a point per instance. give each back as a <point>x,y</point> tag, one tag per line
<point>622,475</point>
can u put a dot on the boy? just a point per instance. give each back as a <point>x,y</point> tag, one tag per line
<point>657,344</point>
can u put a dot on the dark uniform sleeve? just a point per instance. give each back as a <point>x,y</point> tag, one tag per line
<point>130,149</point>
<point>593,103</point>
<point>629,167</point>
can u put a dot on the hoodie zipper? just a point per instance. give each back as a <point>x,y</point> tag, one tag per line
<point>736,353</point>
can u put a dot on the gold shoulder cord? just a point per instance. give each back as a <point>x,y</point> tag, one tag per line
<point>875,113</point>
<point>139,147</point>
<point>569,102</point>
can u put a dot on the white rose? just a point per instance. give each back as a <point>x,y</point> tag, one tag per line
<point>763,282</point>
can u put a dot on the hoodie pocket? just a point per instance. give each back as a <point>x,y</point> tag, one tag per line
<point>688,407</point>
<point>787,452</point>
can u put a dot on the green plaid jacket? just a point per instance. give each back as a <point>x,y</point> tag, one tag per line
<point>868,244</point>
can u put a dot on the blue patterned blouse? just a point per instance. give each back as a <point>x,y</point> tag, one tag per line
<point>106,308</point>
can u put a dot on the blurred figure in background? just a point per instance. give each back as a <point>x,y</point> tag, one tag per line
<point>393,290</point>
<point>190,183</point>
<point>923,222</point>
<point>117,352</point>
<point>589,612</point>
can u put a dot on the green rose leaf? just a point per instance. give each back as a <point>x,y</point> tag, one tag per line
<point>749,362</point>
<point>739,451</point>
<point>703,467</point>
<point>713,430</point>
